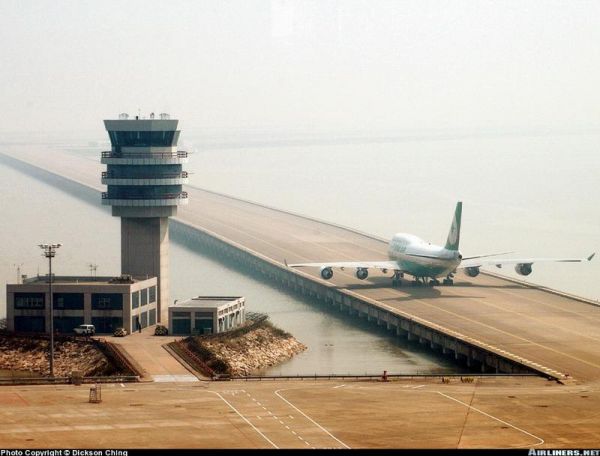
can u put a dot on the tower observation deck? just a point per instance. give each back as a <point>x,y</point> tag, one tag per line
<point>144,179</point>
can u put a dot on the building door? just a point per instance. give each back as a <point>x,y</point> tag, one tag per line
<point>182,326</point>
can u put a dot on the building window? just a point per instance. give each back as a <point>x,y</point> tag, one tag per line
<point>66,325</point>
<point>107,325</point>
<point>143,138</point>
<point>144,293</point>
<point>181,314</point>
<point>208,315</point>
<point>152,317</point>
<point>135,299</point>
<point>29,300</point>
<point>151,295</point>
<point>107,301</point>
<point>68,301</point>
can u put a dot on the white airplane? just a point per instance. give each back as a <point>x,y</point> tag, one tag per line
<point>411,255</point>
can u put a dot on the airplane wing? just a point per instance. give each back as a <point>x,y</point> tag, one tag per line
<point>499,262</point>
<point>383,264</point>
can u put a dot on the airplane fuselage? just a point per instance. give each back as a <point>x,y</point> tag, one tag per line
<point>422,259</point>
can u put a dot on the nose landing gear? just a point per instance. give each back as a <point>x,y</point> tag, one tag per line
<point>397,278</point>
<point>449,280</point>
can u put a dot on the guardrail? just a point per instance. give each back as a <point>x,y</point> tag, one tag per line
<point>181,348</point>
<point>153,197</point>
<point>111,154</point>
<point>111,351</point>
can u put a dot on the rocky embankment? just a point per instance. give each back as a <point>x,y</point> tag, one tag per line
<point>246,351</point>
<point>31,355</point>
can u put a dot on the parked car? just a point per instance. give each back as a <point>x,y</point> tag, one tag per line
<point>85,330</point>
<point>120,332</point>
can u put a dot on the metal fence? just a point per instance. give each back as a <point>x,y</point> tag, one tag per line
<point>373,376</point>
<point>66,380</point>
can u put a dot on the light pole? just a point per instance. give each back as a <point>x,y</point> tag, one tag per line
<point>49,251</point>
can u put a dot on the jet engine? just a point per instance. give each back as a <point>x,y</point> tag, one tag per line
<point>472,271</point>
<point>362,273</point>
<point>326,273</point>
<point>523,269</point>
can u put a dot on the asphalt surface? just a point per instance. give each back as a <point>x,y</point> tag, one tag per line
<point>488,413</point>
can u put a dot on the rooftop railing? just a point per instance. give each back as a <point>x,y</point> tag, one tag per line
<point>111,154</point>
<point>152,197</point>
<point>183,175</point>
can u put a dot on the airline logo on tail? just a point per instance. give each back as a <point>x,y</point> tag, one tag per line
<point>454,235</point>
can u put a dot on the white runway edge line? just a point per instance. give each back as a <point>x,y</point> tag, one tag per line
<point>540,440</point>
<point>310,419</point>
<point>245,419</point>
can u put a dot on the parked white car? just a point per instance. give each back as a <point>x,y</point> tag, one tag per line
<point>85,330</point>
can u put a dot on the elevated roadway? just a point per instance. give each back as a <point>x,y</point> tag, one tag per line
<point>550,332</point>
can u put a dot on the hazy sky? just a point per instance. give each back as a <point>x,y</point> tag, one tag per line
<point>286,64</point>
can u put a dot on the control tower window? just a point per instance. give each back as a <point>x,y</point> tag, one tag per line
<point>142,138</point>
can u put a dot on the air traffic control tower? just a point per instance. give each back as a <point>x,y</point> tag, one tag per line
<point>144,177</point>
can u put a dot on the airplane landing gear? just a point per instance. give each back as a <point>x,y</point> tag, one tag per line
<point>397,279</point>
<point>419,281</point>
<point>449,279</point>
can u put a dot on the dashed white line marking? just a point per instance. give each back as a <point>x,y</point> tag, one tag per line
<point>246,420</point>
<point>310,419</point>
<point>418,386</point>
<point>339,386</point>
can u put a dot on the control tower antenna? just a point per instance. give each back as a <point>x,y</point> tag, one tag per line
<point>93,267</point>
<point>19,277</point>
<point>144,177</point>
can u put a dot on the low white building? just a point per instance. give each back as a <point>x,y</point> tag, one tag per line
<point>206,315</point>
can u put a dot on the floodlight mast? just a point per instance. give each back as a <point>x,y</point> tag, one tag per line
<point>49,251</point>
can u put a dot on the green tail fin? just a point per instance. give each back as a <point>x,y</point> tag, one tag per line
<point>454,234</point>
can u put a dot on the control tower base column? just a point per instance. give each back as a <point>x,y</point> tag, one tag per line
<point>145,252</point>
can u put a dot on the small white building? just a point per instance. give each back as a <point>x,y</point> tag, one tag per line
<point>206,315</point>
